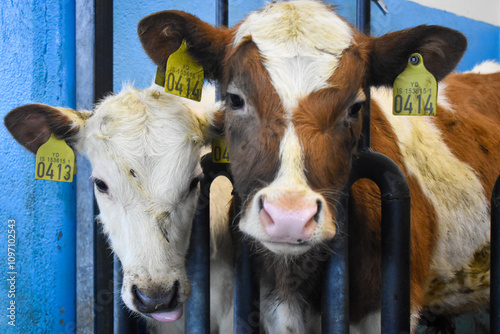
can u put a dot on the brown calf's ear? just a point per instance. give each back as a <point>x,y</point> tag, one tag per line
<point>32,124</point>
<point>441,47</point>
<point>162,33</point>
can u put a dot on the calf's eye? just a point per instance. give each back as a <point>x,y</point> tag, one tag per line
<point>194,183</point>
<point>354,110</point>
<point>235,101</point>
<point>101,186</point>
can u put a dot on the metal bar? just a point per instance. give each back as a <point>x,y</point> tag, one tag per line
<point>103,84</point>
<point>222,17</point>
<point>495,260</point>
<point>84,189</point>
<point>198,260</point>
<point>363,16</point>
<point>336,289</point>
<point>395,195</point>
<point>363,25</point>
<point>103,49</point>
<point>246,285</point>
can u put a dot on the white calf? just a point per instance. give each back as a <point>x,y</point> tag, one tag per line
<point>144,147</point>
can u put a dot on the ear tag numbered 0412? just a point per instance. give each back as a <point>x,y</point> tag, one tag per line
<point>55,161</point>
<point>219,151</point>
<point>183,75</point>
<point>415,90</point>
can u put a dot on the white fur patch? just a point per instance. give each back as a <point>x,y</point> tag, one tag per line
<point>301,43</point>
<point>486,67</point>
<point>451,185</point>
<point>291,172</point>
<point>371,324</point>
<point>368,325</point>
<point>287,317</point>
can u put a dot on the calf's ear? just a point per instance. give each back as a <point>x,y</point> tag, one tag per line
<point>441,47</point>
<point>162,33</point>
<point>32,124</point>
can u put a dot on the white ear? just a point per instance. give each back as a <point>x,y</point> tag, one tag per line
<point>31,125</point>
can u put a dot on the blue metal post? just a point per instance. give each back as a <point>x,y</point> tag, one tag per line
<point>335,297</point>
<point>495,260</point>
<point>246,291</point>
<point>363,25</point>
<point>395,226</point>
<point>395,223</point>
<point>37,217</point>
<point>198,260</point>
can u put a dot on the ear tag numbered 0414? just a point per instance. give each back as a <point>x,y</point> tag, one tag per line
<point>219,151</point>
<point>415,90</point>
<point>183,75</point>
<point>55,161</point>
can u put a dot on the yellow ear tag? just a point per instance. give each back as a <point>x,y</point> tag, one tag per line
<point>160,77</point>
<point>219,151</point>
<point>415,90</point>
<point>55,161</point>
<point>184,76</point>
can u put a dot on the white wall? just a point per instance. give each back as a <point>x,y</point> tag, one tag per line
<point>487,11</point>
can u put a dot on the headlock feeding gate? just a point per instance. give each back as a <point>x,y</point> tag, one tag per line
<point>395,226</point>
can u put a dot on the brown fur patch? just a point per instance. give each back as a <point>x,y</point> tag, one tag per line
<point>472,131</point>
<point>253,138</point>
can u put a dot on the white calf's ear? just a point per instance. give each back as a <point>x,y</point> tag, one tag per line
<point>32,124</point>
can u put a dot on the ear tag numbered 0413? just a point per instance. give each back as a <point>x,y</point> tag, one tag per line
<point>219,151</point>
<point>183,75</point>
<point>415,90</point>
<point>55,161</point>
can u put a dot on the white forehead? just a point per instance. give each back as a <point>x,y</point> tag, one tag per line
<point>155,134</point>
<point>301,43</point>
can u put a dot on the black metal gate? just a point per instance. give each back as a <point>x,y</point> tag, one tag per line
<point>395,224</point>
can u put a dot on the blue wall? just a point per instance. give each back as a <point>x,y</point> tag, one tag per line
<point>37,65</point>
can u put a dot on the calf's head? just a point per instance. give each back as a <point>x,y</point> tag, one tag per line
<point>294,77</point>
<point>144,147</point>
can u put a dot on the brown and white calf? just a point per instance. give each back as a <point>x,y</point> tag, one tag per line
<point>294,76</point>
<point>144,147</point>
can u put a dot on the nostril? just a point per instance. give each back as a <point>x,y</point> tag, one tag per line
<point>316,216</point>
<point>148,304</point>
<point>261,203</point>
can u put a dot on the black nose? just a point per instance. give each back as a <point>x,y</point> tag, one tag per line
<point>165,303</point>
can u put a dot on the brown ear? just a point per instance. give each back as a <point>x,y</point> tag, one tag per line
<point>442,48</point>
<point>32,124</point>
<point>162,33</point>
